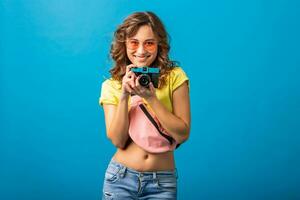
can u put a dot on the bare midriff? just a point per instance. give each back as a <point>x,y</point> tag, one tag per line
<point>135,157</point>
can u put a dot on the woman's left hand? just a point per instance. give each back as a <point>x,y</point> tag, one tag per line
<point>144,92</point>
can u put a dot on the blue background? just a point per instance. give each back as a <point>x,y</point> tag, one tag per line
<point>243,60</point>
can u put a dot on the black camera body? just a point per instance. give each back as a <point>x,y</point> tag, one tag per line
<point>147,75</point>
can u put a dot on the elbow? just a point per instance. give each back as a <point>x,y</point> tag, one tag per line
<point>119,145</point>
<point>117,142</point>
<point>184,136</point>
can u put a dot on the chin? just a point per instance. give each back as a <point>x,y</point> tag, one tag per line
<point>138,64</point>
<point>141,64</point>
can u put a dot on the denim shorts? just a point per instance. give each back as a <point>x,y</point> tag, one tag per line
<point>123,183</point>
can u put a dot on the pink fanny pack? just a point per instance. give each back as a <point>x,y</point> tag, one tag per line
<point>145,129</point>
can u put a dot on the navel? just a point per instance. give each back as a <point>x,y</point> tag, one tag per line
<point>146,156</point>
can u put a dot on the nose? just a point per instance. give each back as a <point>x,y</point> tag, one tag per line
<point>141,49</point>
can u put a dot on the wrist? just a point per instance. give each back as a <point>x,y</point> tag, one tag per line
<point>124,96</point>
<point>151,99</point>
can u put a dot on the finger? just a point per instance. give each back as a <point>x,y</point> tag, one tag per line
<point>136,91</point>
<point>130,75</point>
<point>137,82</point>
<point>131,83</point>
<point>128,67</point>
<point>128,89</point>
<point>137,87</point>
<point>151,87</point>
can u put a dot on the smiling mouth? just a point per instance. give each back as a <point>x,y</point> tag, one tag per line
<point>141,57</point>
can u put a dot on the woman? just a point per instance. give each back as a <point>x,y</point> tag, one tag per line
<point>135,171</point>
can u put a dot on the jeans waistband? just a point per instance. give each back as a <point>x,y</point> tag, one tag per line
<point>152,174</point>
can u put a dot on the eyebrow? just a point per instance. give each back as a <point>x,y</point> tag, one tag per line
<point>152,39</point>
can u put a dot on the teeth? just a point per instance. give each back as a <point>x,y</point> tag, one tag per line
<point>143,56</point>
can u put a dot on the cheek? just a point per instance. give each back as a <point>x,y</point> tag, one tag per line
<point>154,55</point>
<point>127,52</point>
<point>129,55</point>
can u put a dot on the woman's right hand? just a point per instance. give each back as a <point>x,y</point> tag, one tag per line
<point>128,81</point>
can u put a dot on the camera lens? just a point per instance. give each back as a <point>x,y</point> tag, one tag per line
<point>144,80</point>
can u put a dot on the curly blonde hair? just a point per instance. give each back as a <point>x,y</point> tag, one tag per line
<point>129,28</point>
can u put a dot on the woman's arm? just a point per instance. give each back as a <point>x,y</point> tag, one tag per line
<point>117,122</point>
<point>177,123</point>
<point>116,117</point>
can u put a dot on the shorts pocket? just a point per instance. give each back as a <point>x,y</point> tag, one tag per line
<point>112,173</point>
<point>107,196</point>
<point>168,184</point>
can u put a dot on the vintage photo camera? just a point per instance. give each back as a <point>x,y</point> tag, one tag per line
<point>148,74</point>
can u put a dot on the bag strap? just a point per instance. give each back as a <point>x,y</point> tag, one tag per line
<point>169,138</point>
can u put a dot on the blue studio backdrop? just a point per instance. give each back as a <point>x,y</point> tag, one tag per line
<point>242,58</point>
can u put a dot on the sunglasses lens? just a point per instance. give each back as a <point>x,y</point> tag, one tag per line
<point>133,44</point>
<point>148,46</point>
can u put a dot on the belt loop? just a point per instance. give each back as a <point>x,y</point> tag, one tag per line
<point>123,171</point>
<point>155,179</point>
<point>154,176</point>
<point>141,174</point>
